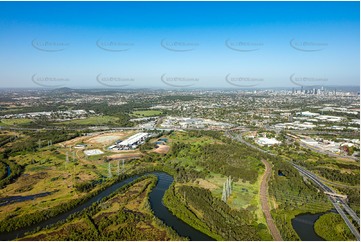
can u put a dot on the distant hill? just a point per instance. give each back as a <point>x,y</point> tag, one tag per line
<point>63,89</point>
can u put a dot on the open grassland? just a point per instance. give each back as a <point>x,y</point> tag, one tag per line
<point>147,113</point>
<point>47,170</point>
<point>245,193</point>
<point>211,160</point>
<point>97,120</point>
<point>15,121</point>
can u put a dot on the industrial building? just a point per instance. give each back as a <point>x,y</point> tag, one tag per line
<point>132,142</point>
<point>266,141</point>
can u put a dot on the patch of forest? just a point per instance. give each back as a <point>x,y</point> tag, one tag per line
<point>33,139</point>
<point>336,175</point>
<point>331,227</point>
<point>211,215</point>
<point>293,195</point>
<point>229,159</point>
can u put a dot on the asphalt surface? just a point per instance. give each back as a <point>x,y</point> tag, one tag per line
<point>335,201</point>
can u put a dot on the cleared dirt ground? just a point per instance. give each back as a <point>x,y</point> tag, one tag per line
<point>162,149</point>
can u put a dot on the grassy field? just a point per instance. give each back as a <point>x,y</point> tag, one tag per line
<point>244,195</point>
<point>147,113</point>
<point>15,121</point>
<point>46,170</point>
<point>98,120</point>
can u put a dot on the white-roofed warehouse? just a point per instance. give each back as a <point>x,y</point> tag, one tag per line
<point>133,140</point>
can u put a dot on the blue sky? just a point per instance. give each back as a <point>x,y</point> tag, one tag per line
<point>179,44</point>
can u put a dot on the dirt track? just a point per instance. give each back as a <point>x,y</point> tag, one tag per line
<point>264,202</point>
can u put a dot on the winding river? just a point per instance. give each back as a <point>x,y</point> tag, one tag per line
<point>155,199</point>
<point>303,224</point>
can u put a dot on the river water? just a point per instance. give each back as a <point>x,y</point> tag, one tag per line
<point>155,199</point>
<point>8,171</point>
<point>162,212</point>
<point>303,224</point>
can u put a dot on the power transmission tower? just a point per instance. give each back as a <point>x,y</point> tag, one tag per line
<point>224,195</point>
<point>109,171</point>
<point>229,180</point>
<point>67,157</point>
<point>227,189</point>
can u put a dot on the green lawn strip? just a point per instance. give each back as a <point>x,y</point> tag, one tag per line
<point>97,120</point>
<point>147,113</point>
<point>15,121</point>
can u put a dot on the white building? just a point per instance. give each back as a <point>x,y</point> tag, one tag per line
<point>133,141</point>
<point>266,141</point>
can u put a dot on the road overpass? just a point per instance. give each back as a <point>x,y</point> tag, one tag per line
<point>344,197</point>
<point>337,202</point>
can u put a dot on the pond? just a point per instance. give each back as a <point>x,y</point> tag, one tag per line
<point>303,224</point>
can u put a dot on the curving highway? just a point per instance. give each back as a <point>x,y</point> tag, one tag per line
<point>337,202</point>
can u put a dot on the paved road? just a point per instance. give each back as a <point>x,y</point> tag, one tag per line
<point>318,150</point>
<point>335,201</point>
<point>321,132</point>
<point>263,189</point>
<point>91,128</point>
<point>265,205</point>
<point>315,179</point>
<point>67,128</point>
<point>347,221</point>
<point>350,212</point>
<point>240,139</point>
<point>335,184</point>
<point>328,189</point>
